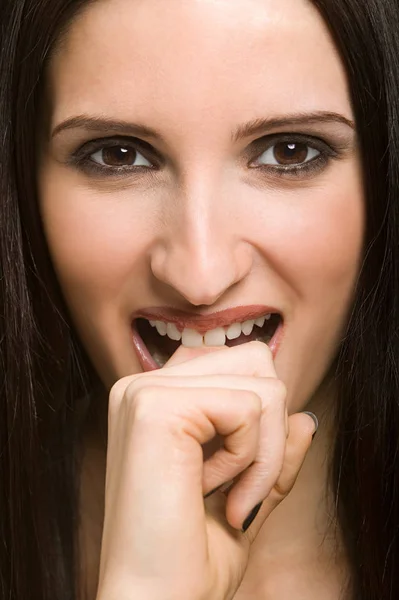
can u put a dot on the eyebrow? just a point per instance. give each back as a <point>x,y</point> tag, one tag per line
<point>255,127</point>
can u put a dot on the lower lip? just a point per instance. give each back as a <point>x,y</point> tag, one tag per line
<point>148,364</point>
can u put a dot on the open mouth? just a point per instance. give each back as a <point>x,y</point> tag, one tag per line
<point>157,341</point>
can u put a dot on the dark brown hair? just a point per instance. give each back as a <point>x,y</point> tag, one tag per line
<point>45,371</point>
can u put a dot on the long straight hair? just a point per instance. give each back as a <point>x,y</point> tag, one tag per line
<point>45,370</point>
<point>365,468</point>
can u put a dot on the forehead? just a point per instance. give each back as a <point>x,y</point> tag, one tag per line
<point>197,62</point>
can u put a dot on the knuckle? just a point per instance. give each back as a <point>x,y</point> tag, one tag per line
<point>148,408</point>
<point>282,488</point>
<point>127,388</point>
<point>144,402</point>
<point>239,462</point>
<point>278,390</point>
<point>117,393</point>
<point>253,405</point>
<point>237,459</point>
<point>248,455</point>
<point>138,383</point>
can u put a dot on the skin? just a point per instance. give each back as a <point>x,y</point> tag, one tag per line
<point>204,230</point>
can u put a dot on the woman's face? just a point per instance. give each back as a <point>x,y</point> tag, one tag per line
<point>198,156</point>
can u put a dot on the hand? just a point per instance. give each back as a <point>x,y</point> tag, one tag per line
<point>161,539</point>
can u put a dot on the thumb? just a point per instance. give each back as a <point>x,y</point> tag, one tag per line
<point>302,428</point>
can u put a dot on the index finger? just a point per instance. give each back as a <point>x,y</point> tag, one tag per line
<point>251,359</point>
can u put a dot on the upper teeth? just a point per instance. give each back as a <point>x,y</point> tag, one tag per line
<point>215,337</point>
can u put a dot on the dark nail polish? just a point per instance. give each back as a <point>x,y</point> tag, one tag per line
<point>315,419</point>
<point>213,491</point>
<point>251,517</point>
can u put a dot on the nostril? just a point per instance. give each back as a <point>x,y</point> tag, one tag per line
<point>200,277</point>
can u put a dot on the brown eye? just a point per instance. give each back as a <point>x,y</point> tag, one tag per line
<point>290,154</point>
<point>286,154</point>
<point>120,156</point>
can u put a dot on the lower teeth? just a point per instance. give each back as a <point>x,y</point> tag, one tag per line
<point>159,358</point>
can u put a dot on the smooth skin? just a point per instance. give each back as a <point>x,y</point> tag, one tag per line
<point>202,219</point>
<point>159,542</point>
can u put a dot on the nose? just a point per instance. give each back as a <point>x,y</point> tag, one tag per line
<point>200,254</point>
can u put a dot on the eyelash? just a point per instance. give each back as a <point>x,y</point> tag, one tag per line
<point>81,157</point>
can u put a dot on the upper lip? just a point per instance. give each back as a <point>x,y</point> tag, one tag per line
<point>204,323</point>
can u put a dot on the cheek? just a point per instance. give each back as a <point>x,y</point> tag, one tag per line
<point>317,243</point>
<point>97,244</point>
<point>98,248</point>
<point>310,240</point>
<point>318,253</point>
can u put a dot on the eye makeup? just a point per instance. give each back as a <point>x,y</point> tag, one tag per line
<point>323,153</point>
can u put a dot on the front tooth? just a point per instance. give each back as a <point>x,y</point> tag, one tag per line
<point>215,337</point>
<point>260,322</point>
<point>247,327</point>
<point>191,338</point>
<point>234,331</point>
<point>161,327</point>
<point>173,332</point>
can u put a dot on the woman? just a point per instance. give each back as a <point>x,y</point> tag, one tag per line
<point>175,175</point>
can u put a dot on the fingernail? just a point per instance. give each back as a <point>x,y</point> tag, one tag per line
<point>251,517</point>
<point>315,420</point>
<point>213,491</point>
